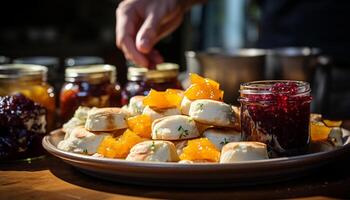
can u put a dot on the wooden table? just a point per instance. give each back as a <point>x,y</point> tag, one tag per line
<point>50,178</point>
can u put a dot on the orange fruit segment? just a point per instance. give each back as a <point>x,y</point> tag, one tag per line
<point>331,123</point>
<point>111,147</point>
<point>200,149</point>
<point>319,131</point>
<point>204,91</point>
<point>141,125</point>
<point>196,79</point>
<point>161,100</point>
<point>203,88</point>
<point>174,97</point>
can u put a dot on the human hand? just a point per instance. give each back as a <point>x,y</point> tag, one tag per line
<point>140,24</point>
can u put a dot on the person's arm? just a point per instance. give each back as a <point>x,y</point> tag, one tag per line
<point>140,24</point>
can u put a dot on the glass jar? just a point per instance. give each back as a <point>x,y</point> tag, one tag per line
<point>91,86</point>
<point>136,84</point>
<point>276,113</point>
<point>164,77</point>
<point>27,104</point>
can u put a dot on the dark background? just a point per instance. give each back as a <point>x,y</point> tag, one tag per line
<point>63,28</point>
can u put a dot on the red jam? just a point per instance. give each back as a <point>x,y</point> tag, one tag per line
<point>91,86</point>
<point>133,88</point>
<point>276,113</point>
<point>136,84</point>
<point>22,127</point>
<point>78,94</point>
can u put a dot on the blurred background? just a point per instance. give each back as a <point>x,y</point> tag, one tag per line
<point>217,37</point>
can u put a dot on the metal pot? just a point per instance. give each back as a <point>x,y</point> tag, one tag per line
<point>228,68</point>
<point>292,63</point>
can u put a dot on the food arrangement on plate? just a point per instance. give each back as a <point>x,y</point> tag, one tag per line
<point>196,126</point>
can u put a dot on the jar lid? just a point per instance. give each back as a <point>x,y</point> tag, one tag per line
<point>23,71</point>
<point>90,73</point>
<point>136,73</point>
<point>163,71</point>
<point>287,87</point>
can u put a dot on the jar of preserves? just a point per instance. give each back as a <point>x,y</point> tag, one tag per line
<point>91,86</point>
<point>27,110</point>
<point>276,113</point>
<point>136,84</point>
<point>163,77</point>
<point>31,81</point>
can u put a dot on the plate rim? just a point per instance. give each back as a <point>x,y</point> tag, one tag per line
<point>300,160</point>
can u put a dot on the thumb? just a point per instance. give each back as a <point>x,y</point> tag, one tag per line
<point>147,35</point>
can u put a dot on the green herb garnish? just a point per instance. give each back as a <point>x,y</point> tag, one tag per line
<point>199,107</point>
<point>85,151</point>
<point>183,132</point>
<point>153,146</point>
<point>224,142</point>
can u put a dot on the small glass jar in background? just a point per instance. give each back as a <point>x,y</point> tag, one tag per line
<point>54,74</point>
<point>30,80</point>
<point>163,77</point>
<point>27,110</point>
<point>136,84</point>
<point>276,113</point>
<point>91,85</point>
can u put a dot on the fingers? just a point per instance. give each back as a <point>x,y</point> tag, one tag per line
<point>131,53</point>
<point>126,24</point>
<point>147,35</point>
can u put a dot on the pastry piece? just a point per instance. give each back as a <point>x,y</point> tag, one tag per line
<point>213,113</point>
<point>80,140</point>
<point>136,105</point>
<point>78,119</point>
<point>154,151</point>
<point>243,151</point>
<point>176,127</point>
<point>106,119</point>
<point>159,113</point>
<point>221,136</point>
<point>185,106</point>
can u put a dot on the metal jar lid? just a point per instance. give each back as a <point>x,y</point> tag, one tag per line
<point>163,72</point>
<point>26,72</point>
<point>136,73</point>
<point>91,73</point>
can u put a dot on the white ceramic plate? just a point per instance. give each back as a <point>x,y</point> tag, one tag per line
<point>196,175</point>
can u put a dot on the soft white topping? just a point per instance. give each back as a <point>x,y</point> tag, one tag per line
<point>157,114</point>
<point>106,119</point>
<point>212,112</point>
<point>136,105</point>
<point>243,151</point>
<point>80,140</point>
<point>221,136</point>
<point>154,151</point>
<point>176,127</point>
<point>185,105</point>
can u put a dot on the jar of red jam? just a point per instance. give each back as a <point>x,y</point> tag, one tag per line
<point>31,81</point>
<point>91,86</point>
<point>276,113</point>
<point>27,110</point>
<point>163,77</point>
<point>136,84</point>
